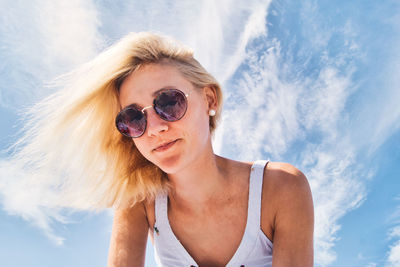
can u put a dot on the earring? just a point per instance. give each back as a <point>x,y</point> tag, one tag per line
<point>211,112</point>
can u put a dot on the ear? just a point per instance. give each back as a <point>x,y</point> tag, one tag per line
<point>211,97</point>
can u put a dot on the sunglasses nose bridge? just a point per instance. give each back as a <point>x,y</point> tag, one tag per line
<point>155,124</point>
<point>143,109</point>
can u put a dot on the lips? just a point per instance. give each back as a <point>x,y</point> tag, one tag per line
<point>165,146</point>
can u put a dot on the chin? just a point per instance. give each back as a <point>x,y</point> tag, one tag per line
<point>169,165</point>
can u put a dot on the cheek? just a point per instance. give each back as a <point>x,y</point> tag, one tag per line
<point>199,126</point>
<point>141,146</point>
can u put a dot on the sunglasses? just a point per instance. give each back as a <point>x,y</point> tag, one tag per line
<point>169,104</point>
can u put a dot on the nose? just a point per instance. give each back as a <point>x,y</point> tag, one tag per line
<point>155,125</point>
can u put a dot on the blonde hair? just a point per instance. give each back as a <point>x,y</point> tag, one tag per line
<point>70,141</point>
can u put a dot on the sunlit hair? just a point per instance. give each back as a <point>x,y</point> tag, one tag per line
<point>70,142</point>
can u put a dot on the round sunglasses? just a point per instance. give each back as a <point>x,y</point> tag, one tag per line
<point>169,104</point>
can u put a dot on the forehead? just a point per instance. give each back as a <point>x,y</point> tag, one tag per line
<point>139,87</point>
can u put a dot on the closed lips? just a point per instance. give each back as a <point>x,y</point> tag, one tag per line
<point>165,145</point>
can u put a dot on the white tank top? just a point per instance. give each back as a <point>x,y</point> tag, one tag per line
<point>255,249</point>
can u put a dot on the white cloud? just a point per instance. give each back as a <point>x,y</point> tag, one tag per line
<point>21,195</point>
<point>336,190</point>
<point>42,39</point>
<point>395,232</point>
<point>218,31</point>
<point>302,119</point>
<point>262,108</point>
<point>362,258</point>
<point>393,254</point>
<point>269,114</point>
<point>45,38</point>
<point>39,40</point>
<point>393,257</point>
<point>324,100</point>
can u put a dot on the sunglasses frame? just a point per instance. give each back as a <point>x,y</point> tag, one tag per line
<point>134,106</point>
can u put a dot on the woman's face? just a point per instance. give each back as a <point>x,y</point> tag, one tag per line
<point>169,145</point>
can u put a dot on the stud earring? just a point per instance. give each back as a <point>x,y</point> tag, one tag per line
<point>211,112</point>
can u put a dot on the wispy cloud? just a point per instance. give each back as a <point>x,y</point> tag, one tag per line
<point>393,236</point>
<point>42,39</point>
<point>62,41</point>
<point>363,258</point>
<point>393,258</point>
<point>287,96</point>
<point>218,31</point>
<point>24,197</point>
<point>39,40</point>
<point>336,189</point>
<point>261,108</point>
<point>280,105</point>
<point>268,115</point>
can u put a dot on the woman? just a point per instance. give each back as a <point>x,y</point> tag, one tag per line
<point>206,206</point>
<point>137,123</point>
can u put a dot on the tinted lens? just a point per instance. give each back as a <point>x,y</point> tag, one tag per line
<point>131,122</point>
<point>170,105</point>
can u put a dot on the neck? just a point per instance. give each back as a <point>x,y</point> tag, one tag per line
<point>203,183</point>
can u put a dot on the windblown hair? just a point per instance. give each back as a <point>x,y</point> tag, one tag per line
<point>70,142</point>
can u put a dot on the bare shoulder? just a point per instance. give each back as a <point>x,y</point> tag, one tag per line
<point>289,213</point>
<point>286,189</point>
<point>285,178</point>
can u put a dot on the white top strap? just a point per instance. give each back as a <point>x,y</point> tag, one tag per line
<point>255,192</point>
<point>253,224</point>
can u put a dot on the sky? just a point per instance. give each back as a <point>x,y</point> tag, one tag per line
<point>312,83</point>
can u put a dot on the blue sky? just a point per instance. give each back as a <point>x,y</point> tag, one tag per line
<point>313,83</point>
